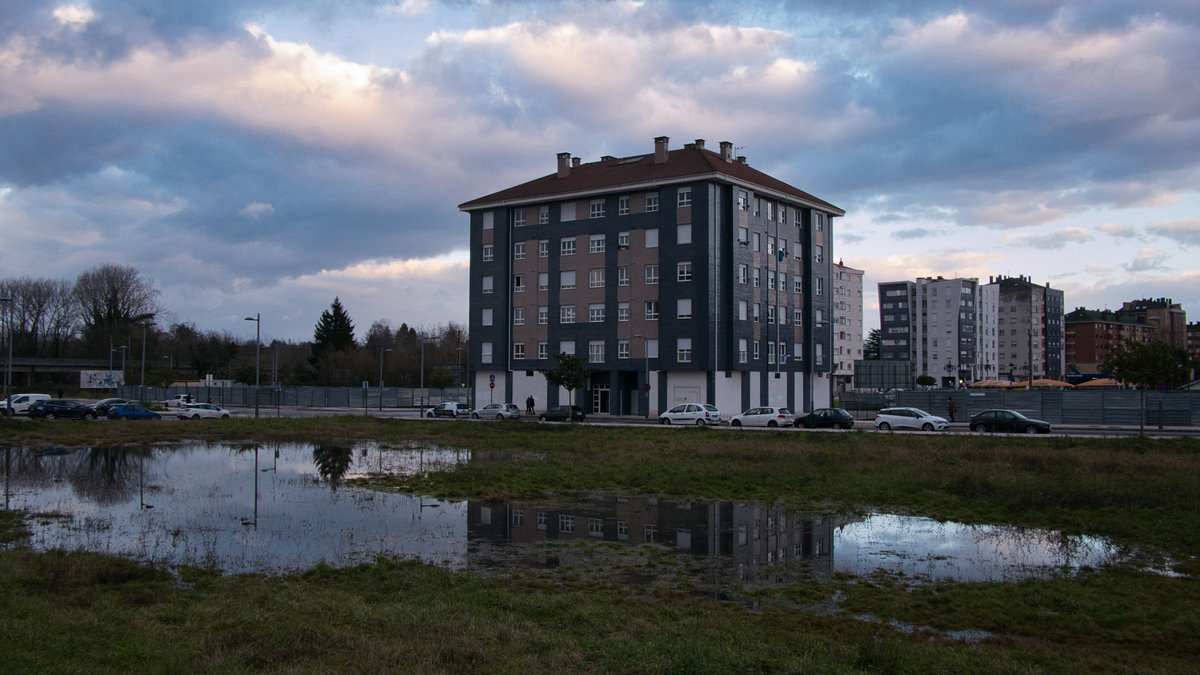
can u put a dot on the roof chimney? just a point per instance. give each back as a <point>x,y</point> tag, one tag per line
<point>727,151</point>
<point>564,164</point>
<point>699,143</point>
<point>660,149</point>
<point>575,162</point>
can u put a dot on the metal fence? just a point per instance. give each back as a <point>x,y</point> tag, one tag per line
<point>316,397</point>
<point>1114,407</point>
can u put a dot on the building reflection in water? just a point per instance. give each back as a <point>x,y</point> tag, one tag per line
<point>742,542</point>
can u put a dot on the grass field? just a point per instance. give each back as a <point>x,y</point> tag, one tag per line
<point>83,612</point>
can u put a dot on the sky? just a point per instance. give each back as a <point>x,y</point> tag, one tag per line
<point>264,156</point>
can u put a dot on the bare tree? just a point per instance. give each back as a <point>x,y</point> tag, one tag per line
<point>112,299</point>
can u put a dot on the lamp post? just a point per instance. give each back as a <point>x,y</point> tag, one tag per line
<point>382,351</point>
<point>646,387</point>
<point>142,382</point>
<point>257,319</point>
<point>8,371</point>
<point>461,382</point>
<point>949,369</point>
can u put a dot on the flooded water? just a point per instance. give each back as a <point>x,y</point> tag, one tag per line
<point>275,508</point>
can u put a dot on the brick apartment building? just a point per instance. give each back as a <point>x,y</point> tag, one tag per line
<point>678,275</point>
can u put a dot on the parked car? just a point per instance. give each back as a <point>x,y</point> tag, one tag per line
<point>562,413</point>
<point>499,411</point>
<point>449,409</point>
<point>1009,421</point>
<point>195,411</point>
<point>131,411</point>
<point>691,413</point>
<point>102,406</point>
<point>765,416</point>
<point>58,408</point>
<point>909,418</point>
<point>177,401</point>
<point>826,418</point>
<point>21,403</point>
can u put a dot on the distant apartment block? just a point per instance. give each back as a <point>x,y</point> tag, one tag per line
<point>932,323</point>
<point>1093,334</point>
<point>1167,317</point>
<point>1029,329</point>
<point>847,324</point>
<point>678,275</point>
<point>1193,340</point>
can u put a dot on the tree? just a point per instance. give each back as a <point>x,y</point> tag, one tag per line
<point>112,300</point>
<point>1143,365</point>
<point>926,380</point>
<point>333,340</point>
<point>872,344</point>
<point>569,374</point>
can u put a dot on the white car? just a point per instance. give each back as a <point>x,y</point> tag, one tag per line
<point>765,416</point>
<point>178,401</point>
<point>498,411</point>
<point>691,413</point>
<point>909,418</point>
<point>195,411</point>
<point>21,403</point>
<point>449,409</point>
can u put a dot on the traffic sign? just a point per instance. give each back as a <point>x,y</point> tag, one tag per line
<point>646,387</point>
<point>491,385</point>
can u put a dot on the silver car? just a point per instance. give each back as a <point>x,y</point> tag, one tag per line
<point>909,418</point>
<point>497,411</point>
<point>691,413</point>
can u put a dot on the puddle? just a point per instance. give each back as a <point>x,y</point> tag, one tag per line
<point>274,508</point>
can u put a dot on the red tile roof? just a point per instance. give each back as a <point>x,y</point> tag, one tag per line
<point>611,174</point>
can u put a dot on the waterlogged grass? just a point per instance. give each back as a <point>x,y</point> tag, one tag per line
<point>92,613</point>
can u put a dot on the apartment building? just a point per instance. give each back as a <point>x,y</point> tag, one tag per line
<point>934,324</point>
<point>1029,329</point>
<point>1092,334</point>
<point>847,324</point>
<point>678,275</point>
<point>1167,317</point>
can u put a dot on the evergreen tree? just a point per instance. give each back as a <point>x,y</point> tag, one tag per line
<point>334,331</point>
<point>872,344</point>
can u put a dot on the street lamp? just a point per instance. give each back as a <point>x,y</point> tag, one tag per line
<point>257,319</point>
<point>461,382</point>
<point>8,372</point>
<point>646,354</point>
<point>382,351</point>
<point>423,341</point>
<point>142,383</point>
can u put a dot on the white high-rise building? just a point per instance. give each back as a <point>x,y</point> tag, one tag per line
<point>847,324</point>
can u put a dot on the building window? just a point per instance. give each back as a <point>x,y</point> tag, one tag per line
<point>597,208</point>
<point>683,350</point>
<point>683,234</point>
<point>519,218</point>
<point>651,274</point>
<point>596,278</point>
<point>519,251</point>
<point>566,523</point>
<point>755,312</point>
<point>743,274</point>
<point>566,347</point>
<point>622,240</point>
<point>743,356</point>
<point>652,310</point>
<point>543,281</point>
<point>771,280</point>
<point>518,316</point>
<point>622,276</point>
<point>742,310</point>
<point>622,529</point>
<point>818,224</point>
<point>485,352</point>
<point>743,200</point>
<point>596,313</point>
<point>650,533</point>
<point>651,349</point>
<point>683,308</point>
<point>566,314</point>
<point>544,249</point>
<point>596,243</point>
<point>567,246</point>
<point>622,311</point>
<point>518,283</point>
<point>489,283</point>
<point>684,197</point>
<point>485,317</point>
<point>683,271</point>
<point>818,253</point>
<point>518,517</point>
<point>543,315</point>
<point>798,317</point>
<point>756,350</point>
<point>756,276</point>
<point>622,349</point>
<point>770,352</point>
<point>595,527</point>
<point>623,206</point>
<point>566,279</point>
<point>519,350</point>
<point>652,238</point>
<point>756,242</point>
<point>820,289</point>
<point>596,351</point>
<point>770,245</point>
<point>487,220</point>
<point>798,285</point>
<point>770,314</point>
<point>541,520</point>
<point>566,212</point>
<point>743,236</point>
<point>489,253</point>
<point>543,214</point>
<point>651,203</point>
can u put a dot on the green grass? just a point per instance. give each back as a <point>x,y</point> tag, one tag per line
<point>84,612</point>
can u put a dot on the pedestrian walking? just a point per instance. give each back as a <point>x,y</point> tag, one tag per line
<point>529,405</point>
<point>951,408</point>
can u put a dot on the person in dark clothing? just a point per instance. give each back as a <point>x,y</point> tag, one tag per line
<point>951,408</point>
<point>529,405</point>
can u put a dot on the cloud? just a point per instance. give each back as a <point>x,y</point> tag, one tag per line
<point>1054,240</point>
<point>1147,259</point>
<point>913,233</point>
<point>256,209</point>
<point>1185,232</point>
<point>1118,231</point>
